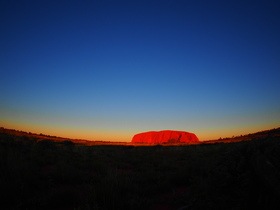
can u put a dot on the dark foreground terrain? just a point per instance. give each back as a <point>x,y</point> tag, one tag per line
<point>39,173</point>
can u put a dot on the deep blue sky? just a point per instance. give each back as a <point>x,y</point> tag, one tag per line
<point>106,70</point>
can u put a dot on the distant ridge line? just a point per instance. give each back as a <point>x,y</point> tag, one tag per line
<point>39,137</point>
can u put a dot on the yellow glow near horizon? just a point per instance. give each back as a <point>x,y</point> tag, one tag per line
<point>95,135</point>
<point>122,136</point>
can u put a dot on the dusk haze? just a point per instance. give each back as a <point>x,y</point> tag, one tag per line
<point>107,70</point>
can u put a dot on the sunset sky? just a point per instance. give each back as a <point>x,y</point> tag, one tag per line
<point>107,69</point>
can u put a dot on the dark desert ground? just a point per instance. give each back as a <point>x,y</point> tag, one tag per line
<point>46,172</point>
<point>106,70</point>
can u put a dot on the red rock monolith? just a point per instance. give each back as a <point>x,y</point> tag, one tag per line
<point>167,136</point>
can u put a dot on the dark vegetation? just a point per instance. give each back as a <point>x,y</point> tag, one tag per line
<point>39,173</point>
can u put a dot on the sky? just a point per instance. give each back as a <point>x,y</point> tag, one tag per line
<point>106,70</point>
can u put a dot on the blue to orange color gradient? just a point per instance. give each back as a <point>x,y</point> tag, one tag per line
<point>106,70</point>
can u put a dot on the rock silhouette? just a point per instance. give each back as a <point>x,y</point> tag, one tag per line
<point>166,136</point>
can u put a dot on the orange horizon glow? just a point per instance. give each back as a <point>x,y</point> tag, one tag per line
<point>157,66</point>
<point>126,136</point>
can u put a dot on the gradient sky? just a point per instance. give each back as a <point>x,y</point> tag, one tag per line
<point>106,70</point>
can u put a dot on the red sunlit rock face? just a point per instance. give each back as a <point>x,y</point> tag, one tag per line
<point>168,136</point>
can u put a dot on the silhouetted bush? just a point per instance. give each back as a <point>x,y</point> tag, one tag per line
<point>68,143</point>
<point>46,144</point>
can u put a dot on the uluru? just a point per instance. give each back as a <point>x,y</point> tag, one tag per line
<point>166,136</point>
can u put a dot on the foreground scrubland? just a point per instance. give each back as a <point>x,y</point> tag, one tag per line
<point>42,174</point>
